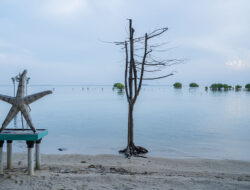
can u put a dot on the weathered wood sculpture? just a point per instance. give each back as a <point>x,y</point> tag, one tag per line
<point>21,103</point>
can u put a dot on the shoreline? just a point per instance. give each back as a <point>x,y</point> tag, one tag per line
<point>75,171</point>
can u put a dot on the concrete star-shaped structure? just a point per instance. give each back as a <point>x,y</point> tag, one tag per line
<point>21,102</point>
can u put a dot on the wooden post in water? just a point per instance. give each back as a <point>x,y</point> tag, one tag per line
<point>9,154</point>
<point>1,157</point>
<point>38,156</point>
<point>30,146</point>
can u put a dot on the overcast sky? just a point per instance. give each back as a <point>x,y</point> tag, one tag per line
<point>60,41</point>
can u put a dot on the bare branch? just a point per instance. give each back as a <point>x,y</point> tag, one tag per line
<point>155,64</point>
<point>132,61</point>
<point>153,34</point>
<point>116,43</point>
<point>157,32</point>
<point>119,43</point>
<point>159,77</point>
<point>139,39</point>
<point>151,71</point>
<point>126,69</point>
<point>142,67</point>
<point>162,50</point>
<point>140,49</point>
<point>159,44</point>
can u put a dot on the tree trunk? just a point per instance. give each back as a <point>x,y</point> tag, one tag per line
<point>131,149</point>
<point>130,125</point>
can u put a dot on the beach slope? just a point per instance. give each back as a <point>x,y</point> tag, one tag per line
<point>77,172</point>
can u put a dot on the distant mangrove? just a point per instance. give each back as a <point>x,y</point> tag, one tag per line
<point>193,85</point>
<point>247,87</point>
<point>220,86</point>
<point>177,85</point>
<point>118,86</point>
<point>227,87</point>
<point>238,87</point>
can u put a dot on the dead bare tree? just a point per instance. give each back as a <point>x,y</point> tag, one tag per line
<point>139,60</point>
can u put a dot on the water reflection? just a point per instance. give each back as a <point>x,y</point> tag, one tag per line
<point>178,91</point>
<point>120,92</point>
<point>193,90</point>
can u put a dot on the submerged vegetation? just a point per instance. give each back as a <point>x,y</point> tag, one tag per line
<point>217,86</point>
<point>213,87</point>
<point>193,85</point>
<point>238,87</point>
<point>247,87</point>
<point>227,87</point>
<point>220,86</point>
<point>177,85</point>
<point>118,86</point>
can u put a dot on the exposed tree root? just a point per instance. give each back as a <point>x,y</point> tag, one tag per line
<point>132,150</point>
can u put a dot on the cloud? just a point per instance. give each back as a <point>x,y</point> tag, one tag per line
<point>237,64</point>
<point>63,8</point>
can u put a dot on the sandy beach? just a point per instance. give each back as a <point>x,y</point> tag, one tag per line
<point>77,172</point>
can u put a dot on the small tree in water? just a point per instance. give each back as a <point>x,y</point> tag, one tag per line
<point>238,87</point>
<point>139,60</point>
<point>177,85</point>
<point>247,87</point>
<point>119,86</point>
<point>193,85</point>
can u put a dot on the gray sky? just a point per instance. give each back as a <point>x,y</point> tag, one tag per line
<point>60,41</point>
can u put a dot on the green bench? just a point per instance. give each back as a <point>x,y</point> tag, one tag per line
<point>30,137</point>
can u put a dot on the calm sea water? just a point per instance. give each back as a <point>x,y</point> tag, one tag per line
<point>168,122</point>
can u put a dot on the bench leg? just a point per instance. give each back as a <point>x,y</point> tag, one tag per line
<point>9,154</point>
<point>30,146</point>
<point>38,156</point>
<point>1,157</point>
